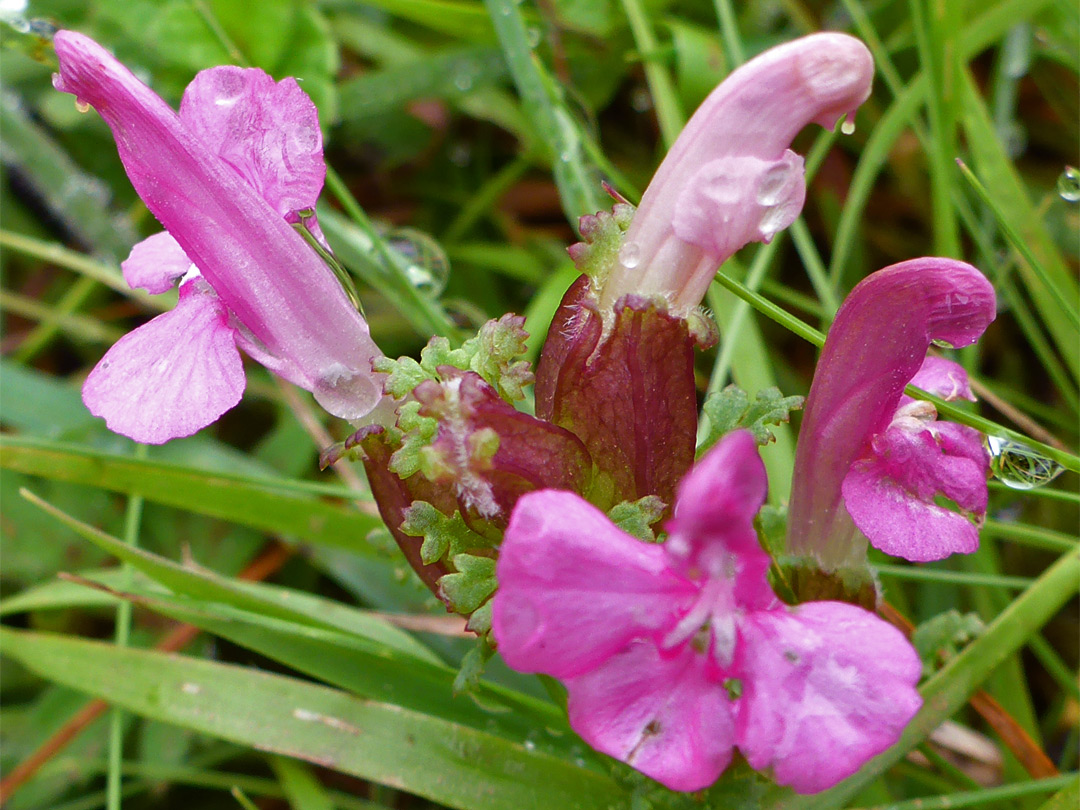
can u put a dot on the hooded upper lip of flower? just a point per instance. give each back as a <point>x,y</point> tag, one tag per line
<point>243,154</point>
<point>674,654</point>
<point>729,178</point>
<point>863,460</point>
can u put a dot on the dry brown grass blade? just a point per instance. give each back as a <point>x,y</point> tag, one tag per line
<point>265,565</point>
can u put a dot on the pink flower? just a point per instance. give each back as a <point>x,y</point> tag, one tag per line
<point>872,460</point>
<point>675,654</point>
<point>244,154</point>
<point>730,178</point>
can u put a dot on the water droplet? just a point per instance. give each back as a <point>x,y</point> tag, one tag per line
<point>463,81</point>
<point>1068,185</point>
<point>1013,138</point>
<point>82,106</point>
<point>533,37</point>
<point>775,185</point>
<point>640,99</point>
<point>848,127</point>
<point>1018,466</point>
<point>775,219</point>
<point>460,154</point>
<point>630,255</point>
<point>20,24</point>
<point>428,267</point>
<point>530,745</point>
<point>941,344</point>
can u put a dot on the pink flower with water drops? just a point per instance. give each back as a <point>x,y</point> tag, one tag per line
<point>871,460</point>
<point>674,655</point>
<point>226,177</point>
<point>730,178</point>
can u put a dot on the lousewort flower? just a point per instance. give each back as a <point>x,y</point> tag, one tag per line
<point>243,156</point>
<point>869,458</point>
<point>675,654</point>
<point>617,368</point>
<point>730,178</point>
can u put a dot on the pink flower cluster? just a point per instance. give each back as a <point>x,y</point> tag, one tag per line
<point>674,655</point>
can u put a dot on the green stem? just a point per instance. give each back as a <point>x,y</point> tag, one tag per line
<point>729,30</point>
<point>1029,535</point>
<point>921,574</point>
<point>62,315</point>
<point>669,114</point>
<point>224,40</point>
<point>436,320</point>
<point>1020,244</point>
<point>54,320</point>
<point>132,519</point>
<point>83,265</point>
<point>973,798</point>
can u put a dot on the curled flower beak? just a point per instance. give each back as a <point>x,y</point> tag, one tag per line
<point>730,178</point>
<point>851,439</point>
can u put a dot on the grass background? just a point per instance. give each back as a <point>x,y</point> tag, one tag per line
<point>465,140</point>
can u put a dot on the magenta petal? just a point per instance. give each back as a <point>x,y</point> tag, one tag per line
<point>890,493</point>
<point>268,131</point>
<point>739,199</point>
<point>717,501</point>
<point>271,280</point>
<point>664,716</point>
<point>574,589</point>
<point>155,264</point>
<point>876,345</point>
<point>945,378</point>
<point>730,178</point>
<point>826,686</point>
<point>173,375</point>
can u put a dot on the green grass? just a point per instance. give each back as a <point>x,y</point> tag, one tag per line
<point>488,126</point>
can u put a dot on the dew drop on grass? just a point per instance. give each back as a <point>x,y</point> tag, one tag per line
<point>1068,185</point>
<point>428,267</point>
<point>1018,466</point>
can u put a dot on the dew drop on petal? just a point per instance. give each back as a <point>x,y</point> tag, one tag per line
<point>848,127</point>
<point>1019,466</point>
<point>1068,185</point>
<point>630,255</point>
<point>775,184</point>
<point>82,106</point>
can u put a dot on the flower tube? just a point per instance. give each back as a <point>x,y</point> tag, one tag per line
<point>868,457</point>
<point>617,368</point>
<point>223,176</point>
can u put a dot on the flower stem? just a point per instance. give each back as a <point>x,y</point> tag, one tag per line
<point>132,519</point>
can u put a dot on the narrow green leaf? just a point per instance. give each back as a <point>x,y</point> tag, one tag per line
<point>302,789</point>
<point>442,761</point>
<point>577,178</point>
<point>957,681</point>
<point>202,584</point>
<point>270,505</point>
